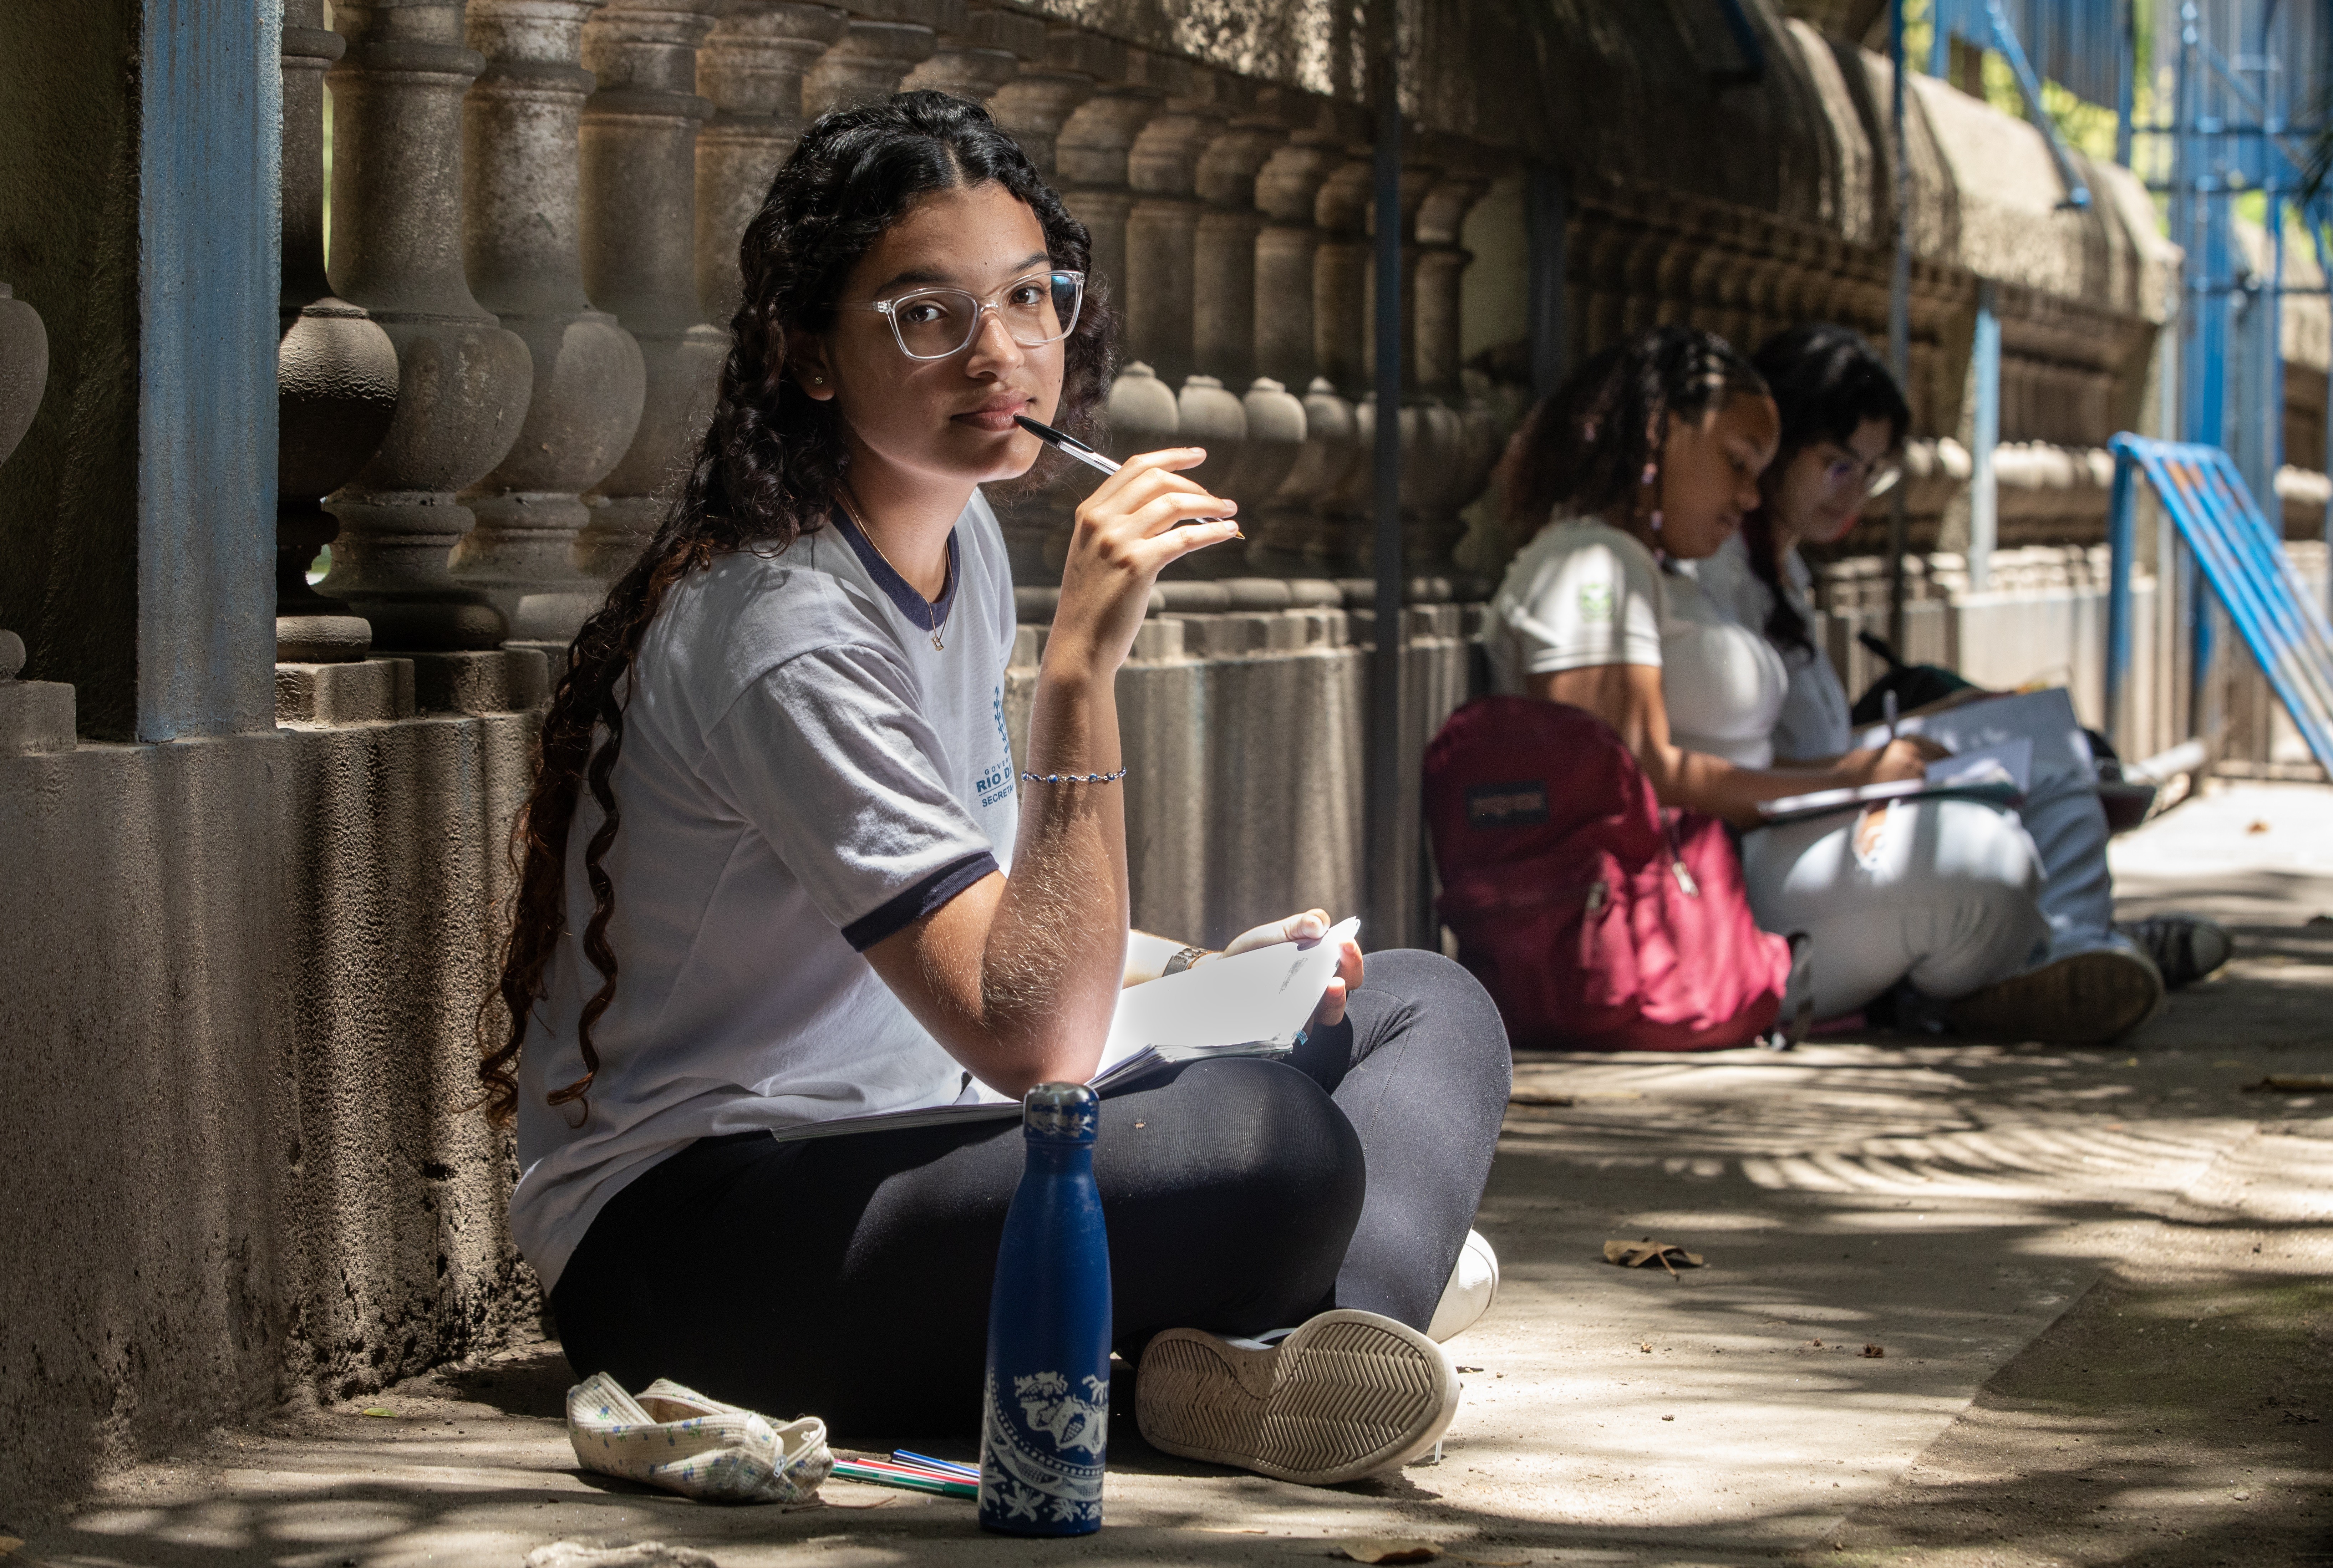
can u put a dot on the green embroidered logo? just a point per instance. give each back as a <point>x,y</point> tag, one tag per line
<point>1596,601</point>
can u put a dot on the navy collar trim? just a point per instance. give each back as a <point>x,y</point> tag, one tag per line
<point>921,613</point>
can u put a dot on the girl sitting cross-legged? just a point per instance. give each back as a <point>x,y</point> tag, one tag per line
<point>1649,457</point>
<point>780,867</point>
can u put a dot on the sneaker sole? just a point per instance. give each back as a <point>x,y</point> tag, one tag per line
<point>1347,1395</point>
<point>2085,999</point>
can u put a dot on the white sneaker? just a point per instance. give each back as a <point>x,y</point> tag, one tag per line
<point>1348,1394</point>
<point>1473,1287</point>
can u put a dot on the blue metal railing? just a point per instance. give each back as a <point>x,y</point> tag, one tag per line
<point>2242,558</point>
<point>1989,25</point>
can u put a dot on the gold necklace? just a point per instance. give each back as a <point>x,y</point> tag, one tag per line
<point>938,621</point>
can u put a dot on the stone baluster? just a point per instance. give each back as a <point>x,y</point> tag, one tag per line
<point>989,50</point>
<point>1036,104</point>
<point>1163,228</point>
<point>1288,538</point>
<point>521,187</point>
<point>35,716</point>
<point>639,223</point>
<point>1092,153</point>
<point>1340,292</point>
<point>336,369</point>
<point>886,40</point>
<point>751,67</point>
<point>463,381</point>
<point>1465,428</point>
<point>1429,433</point>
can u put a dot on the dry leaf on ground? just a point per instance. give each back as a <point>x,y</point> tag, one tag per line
<point>1637,1254</point>
<point>378,1411</point>
<point>1539,1097</point>
<point>2293,1084</point>
<point>1875,1351</point>
<point>1370,1549</point>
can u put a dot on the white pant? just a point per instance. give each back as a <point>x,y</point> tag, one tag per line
<point>1957,894</point>
<point>1947,898</point>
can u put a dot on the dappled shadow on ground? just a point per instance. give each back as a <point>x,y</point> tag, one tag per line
<point>1943,1202</point>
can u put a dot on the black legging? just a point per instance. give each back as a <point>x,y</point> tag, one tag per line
<point>847,1277</point>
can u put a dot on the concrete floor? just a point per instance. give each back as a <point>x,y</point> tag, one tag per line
<point>2096,1283</point>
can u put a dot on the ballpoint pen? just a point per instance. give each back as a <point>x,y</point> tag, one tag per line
<point>1070,446</point>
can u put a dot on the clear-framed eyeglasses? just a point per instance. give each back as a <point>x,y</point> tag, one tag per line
<point>1876,476</point>
<point>934,323</point>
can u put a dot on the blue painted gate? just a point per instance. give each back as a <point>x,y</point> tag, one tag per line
<point>2242,558</point>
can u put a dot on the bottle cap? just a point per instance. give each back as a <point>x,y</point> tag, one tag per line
<point>1060,1114</point>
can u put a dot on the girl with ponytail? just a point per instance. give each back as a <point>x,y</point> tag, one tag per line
<point>1642,465</point>
<point>780,867</point>
<point>1844,422</point>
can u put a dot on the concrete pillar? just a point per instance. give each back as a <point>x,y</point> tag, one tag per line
<point>335,369</point>
<point>886,40</point>
<point>34,715</point>
<point>522,189</point>
<point>1092,154</point>
<point>1034,106</point>
<point>138,215</point>
<point>976,61</point>
<point>464,381</point>
<point>751,68</point>
<point>639,255</point>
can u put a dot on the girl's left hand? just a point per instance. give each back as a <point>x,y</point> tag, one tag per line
<point>1309,926</point>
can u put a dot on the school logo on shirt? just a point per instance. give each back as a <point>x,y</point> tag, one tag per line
<point>995,784</point>
<point>1596,601</point>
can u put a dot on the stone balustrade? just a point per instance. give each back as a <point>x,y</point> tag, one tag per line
<point>605,155</point>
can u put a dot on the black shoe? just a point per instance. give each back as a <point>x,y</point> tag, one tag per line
<point>2185,947</point>
<point>2085,999</point>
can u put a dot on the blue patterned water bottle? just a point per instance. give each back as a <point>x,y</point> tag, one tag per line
<point>1044,1425</point>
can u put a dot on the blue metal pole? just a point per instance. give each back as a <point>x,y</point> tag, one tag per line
<point>2121,532</point>
<point>1985,496</point>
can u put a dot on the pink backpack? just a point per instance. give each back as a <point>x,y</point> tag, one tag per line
<point>1597,920</point>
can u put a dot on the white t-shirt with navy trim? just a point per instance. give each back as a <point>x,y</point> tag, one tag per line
<point>802,774</point>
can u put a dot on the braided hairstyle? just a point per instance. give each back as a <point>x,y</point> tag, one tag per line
<point>1588,449</point>
<point>765,473</point>
<point>1826,381</point>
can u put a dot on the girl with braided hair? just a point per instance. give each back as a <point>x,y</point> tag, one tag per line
<point>1645,461</point>
<point>779,867</point>
<point>1844,421</point>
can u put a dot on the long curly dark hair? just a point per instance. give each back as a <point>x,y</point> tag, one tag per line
<point>1827,380</point>
<point>765,473</point>
<point>1587,446</point>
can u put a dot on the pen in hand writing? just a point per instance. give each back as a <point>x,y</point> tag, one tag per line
<point>1887,711</point>
<point>1070,446</point>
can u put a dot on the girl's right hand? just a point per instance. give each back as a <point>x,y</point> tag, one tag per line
<point>1138,520</point>
<point>1907,757</point>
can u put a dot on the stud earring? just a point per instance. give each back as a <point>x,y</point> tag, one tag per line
<point>818,380</point>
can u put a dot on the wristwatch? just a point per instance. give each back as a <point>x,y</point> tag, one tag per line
<point>1183,959</point>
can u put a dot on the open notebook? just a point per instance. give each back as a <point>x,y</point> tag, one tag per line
<point>2001,773</point>
<point>1252,1004</point>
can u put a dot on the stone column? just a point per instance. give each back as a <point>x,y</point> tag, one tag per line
<point>977,60</point>
<point>1231,224</point>
<point>521,187</point>
<point>1340,268</point>
<point>640,260</point>
<point>1092,155</point>
<point>886,40</point>
<point>463,381</point>
<point>751,68</point>
<point>1034,106</point>
<point>34,715</point>
<point>335,369</point>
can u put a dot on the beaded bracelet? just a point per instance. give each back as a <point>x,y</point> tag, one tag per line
<point>1074,778</point>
